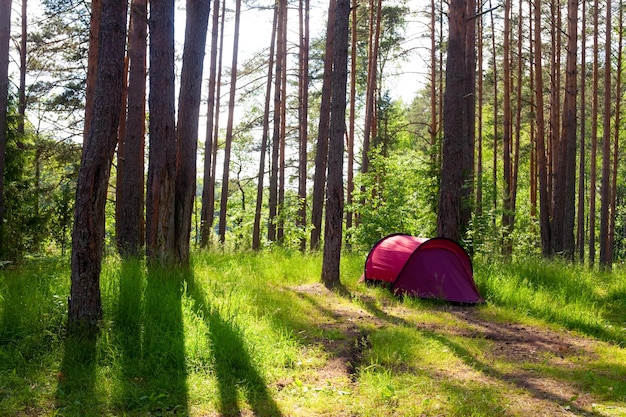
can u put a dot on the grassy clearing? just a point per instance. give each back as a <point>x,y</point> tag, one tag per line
<point>256,334</point>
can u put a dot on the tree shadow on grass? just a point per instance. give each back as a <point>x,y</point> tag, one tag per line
<point>234,370</point>
<point>162,376</point>
<point>127,328</point>
<point>75,394</point>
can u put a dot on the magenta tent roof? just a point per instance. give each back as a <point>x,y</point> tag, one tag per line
<point>422,267</point>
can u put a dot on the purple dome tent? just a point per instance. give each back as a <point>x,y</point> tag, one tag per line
<point>427,268</point>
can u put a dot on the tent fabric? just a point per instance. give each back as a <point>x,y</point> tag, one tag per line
<point>423,267</point>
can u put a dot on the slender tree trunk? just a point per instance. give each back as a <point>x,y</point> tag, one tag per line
<point>479,130</point>
<point>276,140</point>
<point>130,229</point>
<point>205,229</point>
<point>256,232</point>
<point>280,227</point>
<point>372,78</point>
<point>594,137</point>
<point>568,133</point>
<point>211,142</point>
<point>496,109</point>
<point>85,306</point>
<point>303,110</point>
<point>542,168</point>
<point>321,156</point>
<point>229,125</point>
<point>507,214</point>
<point>5,36</point>
<point>197,20</point>
<point>334,195</point>
<point>21,107</point>
<point>160,244</point>
<point>580,227</point>
<point>92,63</point>
<point>352,116</point>
<point>605,191</point>
<point>616,131</point>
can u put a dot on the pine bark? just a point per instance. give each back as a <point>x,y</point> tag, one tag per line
<point>5,36</point>
<point>457,138</point>
<point>162,154</point>
<point>197,19</point>
<point>229,125</point>
<point>334,194</point>
<point>321,155</point>
<point>256,231</point>
<point>130,222</point>
<point>605,190</point>
<point>85,307</point>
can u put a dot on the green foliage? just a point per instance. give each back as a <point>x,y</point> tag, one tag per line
<point>256,333</point>
<point>393,197</point>
<point>40,176</point>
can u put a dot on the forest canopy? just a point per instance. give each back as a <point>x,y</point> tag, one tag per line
<point>251,130</point>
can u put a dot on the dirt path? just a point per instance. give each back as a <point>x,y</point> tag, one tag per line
<point>522,347</point>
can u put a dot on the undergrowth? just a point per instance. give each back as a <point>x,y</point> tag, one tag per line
<point>256,333</point>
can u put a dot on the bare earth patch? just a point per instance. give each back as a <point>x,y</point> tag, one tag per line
<point>511,354</point>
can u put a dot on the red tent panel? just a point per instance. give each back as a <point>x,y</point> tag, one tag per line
<point>427,268</point>
<point>389,255</point>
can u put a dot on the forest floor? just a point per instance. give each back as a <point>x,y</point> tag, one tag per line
<point>527,348</point>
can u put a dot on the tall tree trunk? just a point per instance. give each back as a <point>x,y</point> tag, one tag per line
<point>594,137</point>
<point>129,222</point>
<point>372,78</point>
<point>303,110</point>
<point>616,131</point>
<point>458,100</point>
<point>256,231</point>
<point>211,142</point>
<point>352,116</point>
<point>276,140</point>
<point>605,191</point>
<point>21,107</point>
<point>580,226</point>
<point>205,229</point>
<point>542,168</point>
<point>496,109</point>
<point>160,244</point>
<point>85,306</point>
<point>5,36</point>
<point>280,229</point>
<point>566,180</point>
<point>507,214</point>
<point>479,130</point>
<point>229,124</point>
<point>197,20</point>
<point>92,63</point>
<point>334,194</point>
<point>321,155</point>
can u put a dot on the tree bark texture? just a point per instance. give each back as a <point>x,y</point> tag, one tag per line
<point>321,155</point>
<point>162,153</point>
<point>5,36</point>
<point>334,194</point>
<point>93,178</point>
<point>256,231</point>
<point>457,136</point>
<point>197,20</point>
<point>229,125</point>
<point>92,62</point>
<point>130,223</point>
<point>208,188</point>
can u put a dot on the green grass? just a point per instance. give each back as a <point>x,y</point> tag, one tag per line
<point>256,334</point>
